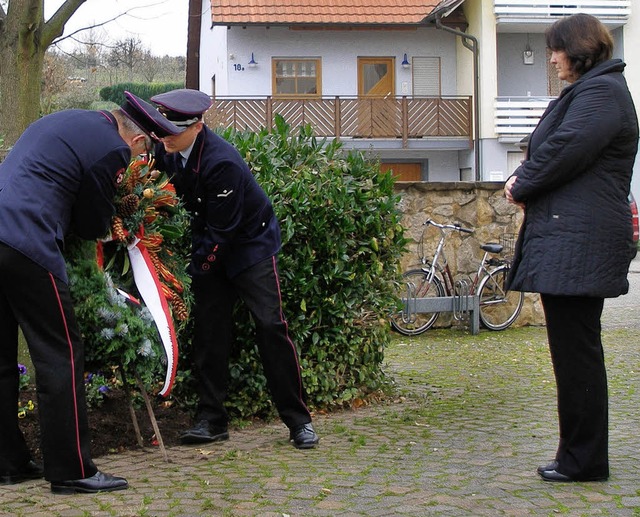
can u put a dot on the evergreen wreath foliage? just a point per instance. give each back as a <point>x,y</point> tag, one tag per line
<point>116,332</point>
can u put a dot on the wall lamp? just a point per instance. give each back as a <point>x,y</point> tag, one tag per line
<point>405,62</point>
<point>252,63</point>
<point>527,55</point>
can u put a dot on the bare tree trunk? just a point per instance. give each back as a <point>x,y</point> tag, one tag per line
<point>24,39</point>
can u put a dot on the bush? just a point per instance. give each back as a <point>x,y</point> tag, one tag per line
<point>342,241</point>
<point>73,98</point>
<point>145,91</point>
<point>103,105</point>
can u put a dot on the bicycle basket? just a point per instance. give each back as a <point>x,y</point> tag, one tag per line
<point>428,243</point>
<point>508,241</point>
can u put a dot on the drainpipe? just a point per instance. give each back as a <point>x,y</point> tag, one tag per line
<point>471,43</point>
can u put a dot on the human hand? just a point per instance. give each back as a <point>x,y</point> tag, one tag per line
<point>507,191</point>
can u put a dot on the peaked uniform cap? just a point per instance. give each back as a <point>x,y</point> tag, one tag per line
<point>182,107</point>
<point>147,118</point>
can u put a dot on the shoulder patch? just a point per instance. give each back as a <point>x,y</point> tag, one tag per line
<point>119,177</point>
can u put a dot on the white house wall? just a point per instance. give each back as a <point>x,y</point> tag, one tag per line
<point>213,61</point>
<point>339,51</point>
<point>441,166</point>
<point>514,77</point>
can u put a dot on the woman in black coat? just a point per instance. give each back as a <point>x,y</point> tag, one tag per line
<point>575,244</point>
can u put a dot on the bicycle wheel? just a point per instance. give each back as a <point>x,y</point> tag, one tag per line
<point>416,285</point>
<point>498,308</point>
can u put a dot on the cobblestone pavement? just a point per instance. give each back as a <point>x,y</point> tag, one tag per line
<point>475,416</point>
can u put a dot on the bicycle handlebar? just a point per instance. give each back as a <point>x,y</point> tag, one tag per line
<point>455,226</point>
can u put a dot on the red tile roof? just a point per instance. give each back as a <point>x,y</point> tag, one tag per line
<point>323,12</point>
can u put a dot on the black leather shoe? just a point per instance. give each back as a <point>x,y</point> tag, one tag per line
<point>99,482</point>
<point>551,466</point>
<point>31,471</point>
<point>203,432</point>
<point>550,473</point>
<point>303,436</point>
<point>554,475</point>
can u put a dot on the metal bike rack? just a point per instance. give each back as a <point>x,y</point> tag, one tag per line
<point>459,305</point>
<point>461,299</point>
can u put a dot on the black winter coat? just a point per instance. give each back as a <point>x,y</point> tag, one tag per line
<point>576,238</point>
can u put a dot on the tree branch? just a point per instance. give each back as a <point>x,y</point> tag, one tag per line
<point>95,25</point>
<point>54,27</point>
<point>89,27</point>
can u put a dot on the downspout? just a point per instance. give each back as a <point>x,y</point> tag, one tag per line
<point>471,43</point>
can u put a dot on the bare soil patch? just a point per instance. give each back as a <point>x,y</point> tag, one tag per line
<point>111,425</point>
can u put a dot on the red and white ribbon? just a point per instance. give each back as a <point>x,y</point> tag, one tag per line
<point>150,289</point>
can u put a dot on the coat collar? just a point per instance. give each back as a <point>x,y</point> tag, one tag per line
<point>606,67</point>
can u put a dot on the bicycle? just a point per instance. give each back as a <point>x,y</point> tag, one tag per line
<point>498,308</point>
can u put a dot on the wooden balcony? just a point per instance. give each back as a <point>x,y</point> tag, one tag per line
<point>399,118</point>
<point>521,10</point>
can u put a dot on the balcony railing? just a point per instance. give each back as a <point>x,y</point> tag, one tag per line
<point>519,10</point>
<point>349,117</point>
<point>516,117</point>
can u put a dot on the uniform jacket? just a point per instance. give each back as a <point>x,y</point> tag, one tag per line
<point>60,176</point>
<point>232,220</point>
<point>576,238</point>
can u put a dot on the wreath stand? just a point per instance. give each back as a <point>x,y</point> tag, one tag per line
<point>152,416</point>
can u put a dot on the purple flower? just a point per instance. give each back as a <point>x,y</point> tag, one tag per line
<point>103,389</point>
<point>22,369</point>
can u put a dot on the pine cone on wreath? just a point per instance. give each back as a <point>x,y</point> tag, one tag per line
<point>128,205</point>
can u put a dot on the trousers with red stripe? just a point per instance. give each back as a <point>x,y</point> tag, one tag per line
<point>40,304</point>
<point>259,288</point>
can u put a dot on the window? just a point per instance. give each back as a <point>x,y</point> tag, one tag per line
<point>426,76</point>
<point>296,77</point>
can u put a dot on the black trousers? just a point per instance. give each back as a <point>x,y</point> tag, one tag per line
<point>30,297</point>
<point>214,296</point>
<point>574,329</point>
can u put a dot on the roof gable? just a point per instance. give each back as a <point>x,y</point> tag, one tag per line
<point>320,12</point>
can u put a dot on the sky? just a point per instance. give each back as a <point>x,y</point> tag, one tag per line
<point>161,25</point>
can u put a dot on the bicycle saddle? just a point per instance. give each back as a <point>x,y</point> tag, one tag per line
<point>492,247</point>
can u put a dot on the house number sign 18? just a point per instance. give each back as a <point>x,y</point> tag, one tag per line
<point>238,67</point>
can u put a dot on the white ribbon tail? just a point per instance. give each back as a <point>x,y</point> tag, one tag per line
<point>150,290</point>
<point>128,298</point>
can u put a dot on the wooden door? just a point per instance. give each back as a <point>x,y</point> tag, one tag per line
<point>403,171</point>
<point>375,77</point>
<point>377,115</point>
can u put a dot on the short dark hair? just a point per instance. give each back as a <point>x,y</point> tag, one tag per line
<point>584,38</point>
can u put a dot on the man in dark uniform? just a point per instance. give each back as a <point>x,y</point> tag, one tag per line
<point>236,238</point>
<point>59,178</point>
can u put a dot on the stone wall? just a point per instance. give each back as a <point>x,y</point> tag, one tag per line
<point>480,206</point>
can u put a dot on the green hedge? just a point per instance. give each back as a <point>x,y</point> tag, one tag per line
<point>145,91</point>
<point>342,241</point>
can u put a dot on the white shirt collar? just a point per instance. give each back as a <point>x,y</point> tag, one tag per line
<point>186,153</point>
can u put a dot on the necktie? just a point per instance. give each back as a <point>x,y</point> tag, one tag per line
<point>179,163</point>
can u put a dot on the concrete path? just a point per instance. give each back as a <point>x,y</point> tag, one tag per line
<point>473,418</point>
